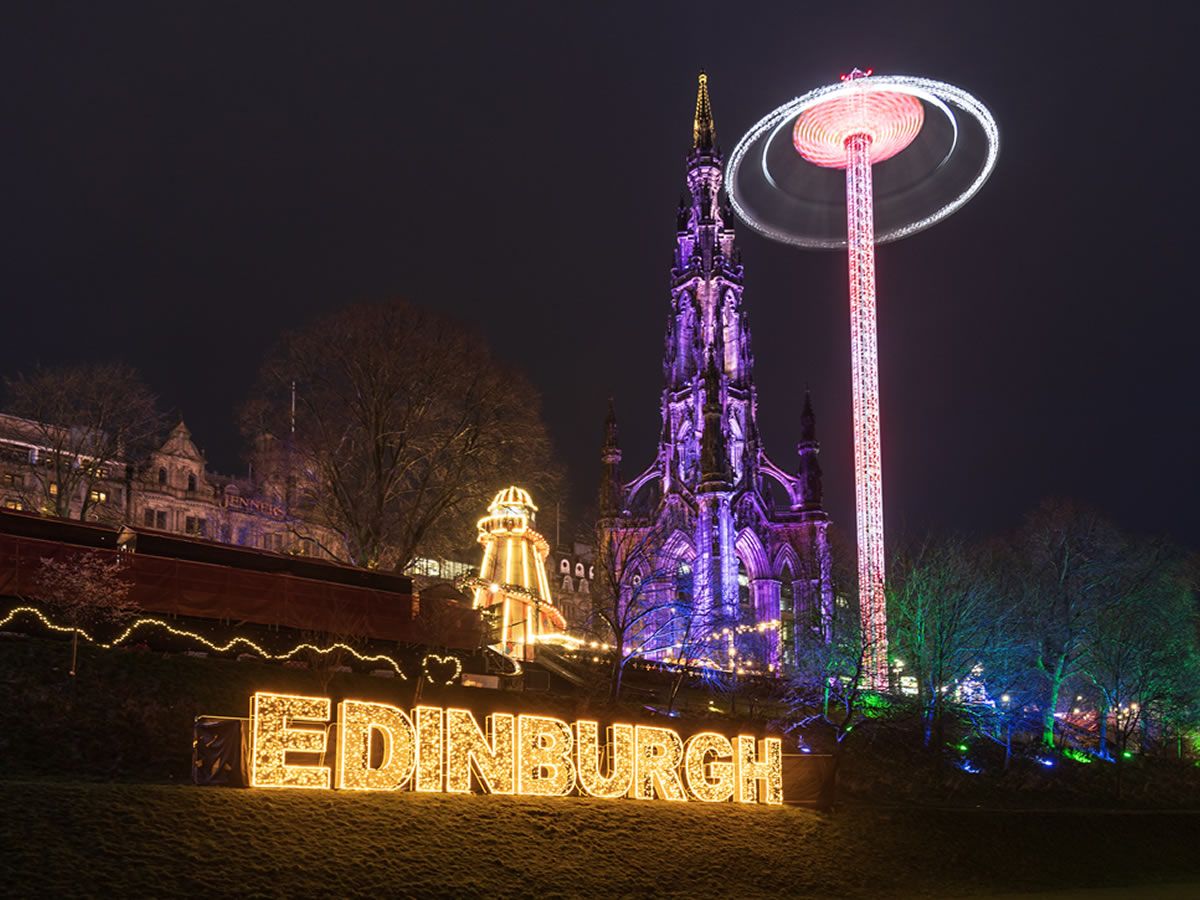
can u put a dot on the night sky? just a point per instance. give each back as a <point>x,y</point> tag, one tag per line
<point>181,181</point>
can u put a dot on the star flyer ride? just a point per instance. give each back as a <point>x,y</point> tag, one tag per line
<point>934,146</point>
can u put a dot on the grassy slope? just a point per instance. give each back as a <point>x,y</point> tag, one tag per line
<point>128,715</point>
<point>66,839</point>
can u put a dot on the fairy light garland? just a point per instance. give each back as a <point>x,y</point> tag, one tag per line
<point>217,648</point>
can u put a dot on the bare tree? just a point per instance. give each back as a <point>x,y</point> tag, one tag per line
<point>86,422</point>
<point>400,424</point>
<point>84,590</point>
<point>828,685</point>
<point>639,603</point>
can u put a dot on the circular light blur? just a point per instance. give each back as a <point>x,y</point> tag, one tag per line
<point>797,194</point>
<point>889,118</point>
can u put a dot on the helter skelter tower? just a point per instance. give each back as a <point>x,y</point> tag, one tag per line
<point>935,146</point>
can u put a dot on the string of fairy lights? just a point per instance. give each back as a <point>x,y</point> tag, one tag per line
<point>452,662</point>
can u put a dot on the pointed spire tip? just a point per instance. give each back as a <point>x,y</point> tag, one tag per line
<point>704,129</point>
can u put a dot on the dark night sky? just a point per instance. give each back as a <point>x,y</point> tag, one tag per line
<point>180,181</point>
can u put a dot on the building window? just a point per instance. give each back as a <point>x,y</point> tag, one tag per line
<point>565,566</point>
<point>13,504</point>
<point>160,520</point>
<point>787,617</point>
<point>54,489</point>
<point>13,478</point>
<point>189,525</point>
<point>148,518</point>
<point>683,602</point>
<point>743,588</point>
<point>191,483</point>
<point>162,476</point>
<point>578,570</point>
<point>98,496</point>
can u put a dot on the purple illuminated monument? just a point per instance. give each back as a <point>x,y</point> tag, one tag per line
<point>751,533</point>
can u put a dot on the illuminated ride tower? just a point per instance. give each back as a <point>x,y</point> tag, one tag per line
<point>512,575</point>
<point>937,145</point>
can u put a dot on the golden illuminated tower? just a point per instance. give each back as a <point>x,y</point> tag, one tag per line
<point>512,574</point>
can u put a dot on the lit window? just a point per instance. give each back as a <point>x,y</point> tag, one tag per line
<point>54,489</point>
<point>13,504</point>
<point>98,496</point>
<point>787,616</point>
<point>12,478</point>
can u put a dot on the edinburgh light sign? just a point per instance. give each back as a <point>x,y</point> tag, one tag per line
<point>383,748</point>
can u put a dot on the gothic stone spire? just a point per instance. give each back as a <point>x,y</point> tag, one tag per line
<point>704,130</point>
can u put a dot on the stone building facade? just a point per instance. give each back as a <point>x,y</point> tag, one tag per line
<point>748,537</point>
<point>173,490</point>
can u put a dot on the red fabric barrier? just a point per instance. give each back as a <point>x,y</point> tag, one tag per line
<point>203,590</point>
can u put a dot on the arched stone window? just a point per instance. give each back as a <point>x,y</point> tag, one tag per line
<point>681,609</point>
<point>162,476</point>
<point>745,610</point>
<point>565,566</point>
<point>578,570</point>
<point>787,617</point>
<point>191,482</point>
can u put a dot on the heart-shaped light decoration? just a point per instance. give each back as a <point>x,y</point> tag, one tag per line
<point>441,669</point>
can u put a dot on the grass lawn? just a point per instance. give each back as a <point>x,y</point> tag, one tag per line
<point>67,838</point>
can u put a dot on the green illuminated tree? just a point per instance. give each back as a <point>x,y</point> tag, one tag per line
<point>1141,647</point>
<point>944,609</point>
<point>1069,565</point>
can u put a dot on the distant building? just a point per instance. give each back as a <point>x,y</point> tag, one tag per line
<point>571,570</point>
<point>172,490</point>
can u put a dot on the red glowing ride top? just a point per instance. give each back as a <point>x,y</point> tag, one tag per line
<point>890,119</point>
